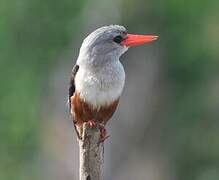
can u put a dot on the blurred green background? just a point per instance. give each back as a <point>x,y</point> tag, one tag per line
<point>171,128</point>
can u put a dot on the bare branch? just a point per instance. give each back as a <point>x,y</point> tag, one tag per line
<point>91,154</point>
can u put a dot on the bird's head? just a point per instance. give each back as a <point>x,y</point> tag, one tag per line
<point>112,40</point>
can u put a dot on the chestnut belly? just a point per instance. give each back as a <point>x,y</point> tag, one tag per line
<point>83,112</point>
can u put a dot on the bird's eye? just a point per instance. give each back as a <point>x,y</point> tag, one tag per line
<point>118,39</point>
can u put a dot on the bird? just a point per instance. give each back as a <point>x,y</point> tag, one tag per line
<point>97,79</point>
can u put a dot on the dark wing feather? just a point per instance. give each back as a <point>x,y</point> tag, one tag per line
<point>71,89</point>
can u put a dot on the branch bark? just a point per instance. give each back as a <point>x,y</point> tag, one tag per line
<point>91,154</point>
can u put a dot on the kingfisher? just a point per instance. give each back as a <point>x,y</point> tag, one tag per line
<point>98,77</point>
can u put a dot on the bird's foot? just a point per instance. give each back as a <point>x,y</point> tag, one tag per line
<point>92,123</point>
<point>103,134</point>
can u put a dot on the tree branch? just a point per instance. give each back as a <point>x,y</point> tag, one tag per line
<point>91,154</point>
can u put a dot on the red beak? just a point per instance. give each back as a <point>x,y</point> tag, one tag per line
<point>134,40</point>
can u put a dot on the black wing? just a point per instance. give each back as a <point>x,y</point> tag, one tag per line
<point>71,89</point>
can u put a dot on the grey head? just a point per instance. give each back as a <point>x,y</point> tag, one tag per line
<point>102,45</point>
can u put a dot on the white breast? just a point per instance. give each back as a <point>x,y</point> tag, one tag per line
<point>102,86</point>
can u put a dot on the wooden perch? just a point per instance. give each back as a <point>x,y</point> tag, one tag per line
<point>91,154</point>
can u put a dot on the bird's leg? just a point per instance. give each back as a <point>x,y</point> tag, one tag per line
<point>77,133</point>
<point>92,123</point>
<point>103,133</point>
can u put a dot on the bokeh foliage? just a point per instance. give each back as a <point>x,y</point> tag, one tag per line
<point>191,67</point>
<point>34,33</point>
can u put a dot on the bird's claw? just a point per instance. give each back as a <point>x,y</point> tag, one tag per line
<point>92,123</point>
<point>103,134</point>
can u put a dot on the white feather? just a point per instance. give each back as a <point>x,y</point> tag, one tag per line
<point>101,77</point>
<point>101,86</point>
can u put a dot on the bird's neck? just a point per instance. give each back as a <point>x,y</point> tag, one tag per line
<point>94,60</point>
